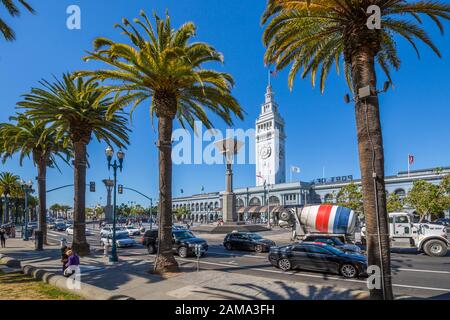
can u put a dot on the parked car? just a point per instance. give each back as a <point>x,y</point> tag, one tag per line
<point>132,230</point>
<point>318,257</point>
<point>442,221</point>
<point>123,240</point>
<point>184,242</point>
<point>338,241</point>
<point>247,241</point>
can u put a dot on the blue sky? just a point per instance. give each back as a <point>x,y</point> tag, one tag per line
<point>320,128</point>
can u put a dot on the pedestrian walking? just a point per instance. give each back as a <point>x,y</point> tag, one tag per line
<point>3,237</point>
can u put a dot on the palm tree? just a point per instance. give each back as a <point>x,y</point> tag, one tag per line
<point>162,66</point>
<point>77,108</point>
<point>9,185</point>
<point>55,208</point>
<point>312,35</point>
<point>32,138</point>
<point>13,11</point>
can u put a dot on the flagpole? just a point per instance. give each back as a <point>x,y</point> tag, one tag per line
<point>408,165</point>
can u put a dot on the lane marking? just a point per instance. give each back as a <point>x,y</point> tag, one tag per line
<point>393,269</point>
<point>235,255</point>
<point>318,276</point>
<point>421,270</point>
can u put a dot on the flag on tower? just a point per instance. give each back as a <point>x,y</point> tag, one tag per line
<point>410,161</point>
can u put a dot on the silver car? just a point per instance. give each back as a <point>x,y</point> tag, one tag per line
<point>123,240</point>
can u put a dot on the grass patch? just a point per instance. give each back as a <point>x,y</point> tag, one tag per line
<point>17,286</point>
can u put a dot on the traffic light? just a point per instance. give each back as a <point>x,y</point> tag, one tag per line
<point>92,186</point>
<point>120,189</point>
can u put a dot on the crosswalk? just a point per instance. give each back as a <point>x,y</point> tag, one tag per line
<point>54,237</point>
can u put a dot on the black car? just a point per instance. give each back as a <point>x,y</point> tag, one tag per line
<point>184,242</point>
<point>338,241</point>
<point>318,257</point>
<point>60,227</point>
<point>443,222</point>
<point>247,241</point>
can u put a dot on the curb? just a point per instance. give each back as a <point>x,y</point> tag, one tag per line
<point>87,291</point>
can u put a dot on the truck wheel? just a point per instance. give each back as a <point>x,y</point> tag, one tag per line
<point>151,249</point>
<point>182,252</point>
<point>284,264</point>
<point>435,248</point>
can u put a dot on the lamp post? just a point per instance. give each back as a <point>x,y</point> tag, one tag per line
<point>151,214</point>
<point>120,155</point>
<point>27,188</point>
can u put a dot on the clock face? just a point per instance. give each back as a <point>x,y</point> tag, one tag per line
<point>265,152</point>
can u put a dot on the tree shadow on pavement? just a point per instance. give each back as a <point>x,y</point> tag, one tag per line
<point>286,292</point>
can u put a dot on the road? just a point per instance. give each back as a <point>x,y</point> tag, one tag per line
<point>415,275</point>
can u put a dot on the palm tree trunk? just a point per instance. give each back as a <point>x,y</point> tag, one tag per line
<point>42,189</point>
<point>6,220</point>
<point>80,244</point>
<point>371,158</point>
<point>165,261</point>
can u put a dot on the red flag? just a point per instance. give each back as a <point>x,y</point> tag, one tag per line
<point>411,159</point>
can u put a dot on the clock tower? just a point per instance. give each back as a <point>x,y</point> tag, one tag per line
<point>270,139</point>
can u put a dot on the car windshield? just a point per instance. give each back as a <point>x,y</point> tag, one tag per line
<point>254,236</point>
<point>338,241</point>
<point>183,235</point>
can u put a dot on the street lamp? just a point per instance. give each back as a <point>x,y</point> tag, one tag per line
<point>27,188</point>
<point>120,155</point>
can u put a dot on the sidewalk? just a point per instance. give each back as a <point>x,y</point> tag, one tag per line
<point>130,277</point>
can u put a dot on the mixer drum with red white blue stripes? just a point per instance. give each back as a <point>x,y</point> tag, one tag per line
<point>328,219</point>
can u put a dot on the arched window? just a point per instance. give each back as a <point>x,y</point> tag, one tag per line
<point>216,205</point>
<point>255,201</point>
<point>196,207</point>
<point>274,200</point>
<point>328,198</point>
<point>240,203</point>
<point>400,192</point>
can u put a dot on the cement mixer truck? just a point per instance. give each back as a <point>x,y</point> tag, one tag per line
<point>331,219</point>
